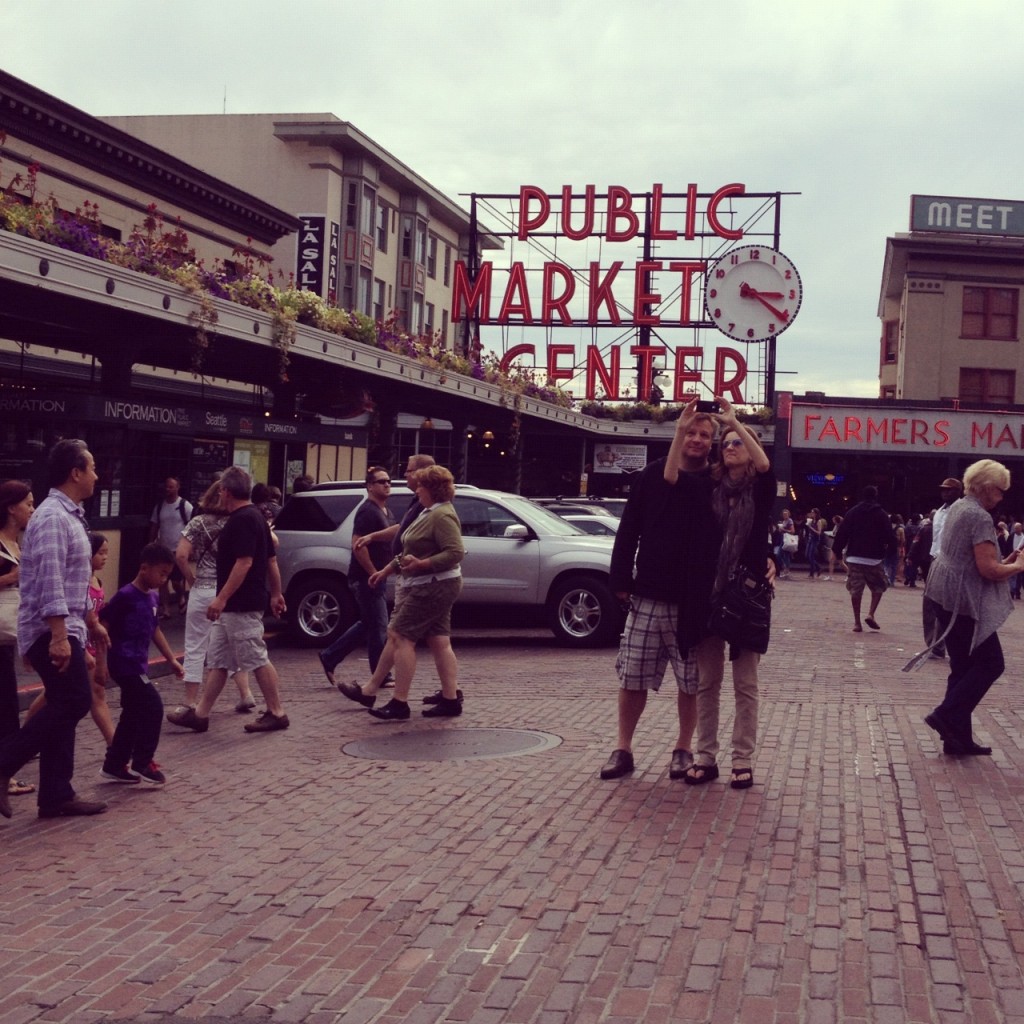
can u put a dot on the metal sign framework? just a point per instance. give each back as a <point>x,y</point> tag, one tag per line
<point>750,216</point>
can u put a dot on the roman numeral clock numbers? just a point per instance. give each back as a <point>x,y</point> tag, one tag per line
<point>752,293</point>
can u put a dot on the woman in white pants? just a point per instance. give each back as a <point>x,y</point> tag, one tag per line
<point>196,556</point>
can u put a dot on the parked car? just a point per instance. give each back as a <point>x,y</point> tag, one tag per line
<point>587,506</point>
<point>599,526</point>
<point>520,558</point>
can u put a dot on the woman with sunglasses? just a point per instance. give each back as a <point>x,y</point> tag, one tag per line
<point>742,502</point>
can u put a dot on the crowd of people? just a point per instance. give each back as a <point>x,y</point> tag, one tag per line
<point>54,614</point>
<point>694,564</point>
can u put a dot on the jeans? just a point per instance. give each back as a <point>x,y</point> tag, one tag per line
<point>10,717</point>
<point>930,620</point>
<point>138,730</point>
<point>813,569</point>
<point>971,673</point>
<point>370,628</point>
<point>51,732</point>
<point>711,666</point>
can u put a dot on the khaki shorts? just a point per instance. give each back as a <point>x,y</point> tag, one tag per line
<point>871,576</point>
<point>237,644</point>
<point>426,610</point>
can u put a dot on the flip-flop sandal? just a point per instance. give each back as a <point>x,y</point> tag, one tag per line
<point>871,622</point>
<point>18,788</point>
<point>698,774</point>
<point>742,778</point>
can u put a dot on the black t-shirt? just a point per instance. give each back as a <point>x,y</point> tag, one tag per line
<point>246,534</point>
<point>411,514</point>
<point>667,545</point>
<point>370,518</point>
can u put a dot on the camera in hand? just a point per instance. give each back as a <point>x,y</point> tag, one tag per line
<point>708,407</point>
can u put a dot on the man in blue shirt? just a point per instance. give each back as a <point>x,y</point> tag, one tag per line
<point>56,564</point>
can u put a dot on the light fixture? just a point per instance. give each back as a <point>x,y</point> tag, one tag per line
<point>427,424</point>
<point>488,435</point>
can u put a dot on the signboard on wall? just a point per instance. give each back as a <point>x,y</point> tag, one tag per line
<point>961,216</point>
<point>906,431</point>
<point>619,458</point>
<point>312,253</point>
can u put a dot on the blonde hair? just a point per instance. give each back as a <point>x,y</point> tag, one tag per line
<point>981,474</point>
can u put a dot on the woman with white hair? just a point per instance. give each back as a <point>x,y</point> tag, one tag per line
<point>968,582</point>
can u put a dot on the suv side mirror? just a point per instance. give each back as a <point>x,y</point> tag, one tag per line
<point>517,531</point>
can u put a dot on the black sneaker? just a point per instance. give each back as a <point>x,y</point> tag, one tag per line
<point>393,711</point>
<point>436,698</point>
<point>444,708</point>
<point>122,775</point>
<point>151,774</point>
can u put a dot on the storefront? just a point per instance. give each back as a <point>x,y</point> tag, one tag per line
<point>827,451</point>
<point>138,443</point>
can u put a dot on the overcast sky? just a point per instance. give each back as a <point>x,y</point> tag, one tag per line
<point>854,106</point>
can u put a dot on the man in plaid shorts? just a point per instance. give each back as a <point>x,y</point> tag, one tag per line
<point>671,536</point>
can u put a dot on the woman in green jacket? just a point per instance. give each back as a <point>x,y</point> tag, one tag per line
<point>430,583</point>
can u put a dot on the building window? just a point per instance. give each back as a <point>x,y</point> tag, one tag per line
<point>352,205</point>
<point>447,266</point>
<point>348,288</point>
<point>421,242</point>
<point>365,294</point>
<point>990,313</point>
<point>369,202</point>
<point>404,299</point>
<point>891,341</point>
<point>444,327</point>
<point>407,238</point>
<point>378,299</point>
<point>888,392</point>
<point>995,387</point>
<point>416,325</point>
<point>432,256</point>
<point>382,227</point>
<point>428,325</point>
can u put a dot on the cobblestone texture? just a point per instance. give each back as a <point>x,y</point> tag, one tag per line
<point>865,877</point>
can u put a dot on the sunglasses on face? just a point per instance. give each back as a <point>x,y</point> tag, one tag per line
<point>733,443</point>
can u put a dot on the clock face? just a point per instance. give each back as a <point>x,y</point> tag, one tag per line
<point>752,293</point>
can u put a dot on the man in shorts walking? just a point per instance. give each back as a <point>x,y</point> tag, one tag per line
<point>246,564</point>
<point>866,537</point>
<point>672,536</point>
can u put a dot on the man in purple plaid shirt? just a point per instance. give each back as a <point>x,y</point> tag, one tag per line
<point>56,562</point>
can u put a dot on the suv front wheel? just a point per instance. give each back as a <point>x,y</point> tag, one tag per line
<point>583,612</point>
<point>321,609</point>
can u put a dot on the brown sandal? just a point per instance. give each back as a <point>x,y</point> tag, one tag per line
<point>18,788</point>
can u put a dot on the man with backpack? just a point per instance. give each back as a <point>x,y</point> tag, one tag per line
<point>165,525</point>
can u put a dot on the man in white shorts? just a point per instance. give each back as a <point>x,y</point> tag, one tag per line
<point>246,564</point>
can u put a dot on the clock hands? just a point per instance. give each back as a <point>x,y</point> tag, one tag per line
<point>747,292</point>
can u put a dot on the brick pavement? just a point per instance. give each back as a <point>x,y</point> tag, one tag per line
<point>865,877</point>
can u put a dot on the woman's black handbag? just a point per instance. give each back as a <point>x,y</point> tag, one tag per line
<point>742,614</point>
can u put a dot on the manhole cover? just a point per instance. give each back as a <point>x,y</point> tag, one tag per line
<point>452,745</point>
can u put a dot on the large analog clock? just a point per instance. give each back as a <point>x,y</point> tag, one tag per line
<point>752,293</point>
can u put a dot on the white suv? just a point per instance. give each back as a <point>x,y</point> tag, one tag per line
<point>519,557</point>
